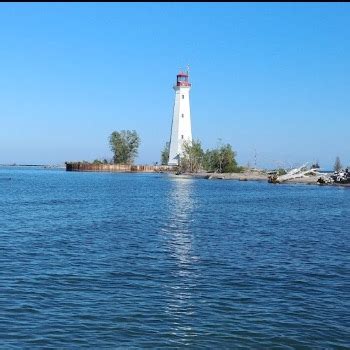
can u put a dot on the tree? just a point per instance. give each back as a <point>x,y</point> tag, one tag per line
<point>221,159</point>
<point>165,154</point>
<point>210,160</point>
<point>315,165</point>
<point>337,165</point>
<point>124,145</point>
<point>192,157</point>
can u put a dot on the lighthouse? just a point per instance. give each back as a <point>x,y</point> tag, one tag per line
<point>181,124</point>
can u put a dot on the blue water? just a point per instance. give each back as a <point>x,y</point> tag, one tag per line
<point>106,261</point>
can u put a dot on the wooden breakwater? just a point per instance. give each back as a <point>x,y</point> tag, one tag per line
<point>118,168</point>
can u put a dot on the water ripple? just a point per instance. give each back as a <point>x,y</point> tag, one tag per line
<point>111,261</point>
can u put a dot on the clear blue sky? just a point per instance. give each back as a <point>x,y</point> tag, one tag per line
<point>270,77</point>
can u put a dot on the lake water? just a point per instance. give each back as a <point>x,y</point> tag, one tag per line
<point>106,261</point>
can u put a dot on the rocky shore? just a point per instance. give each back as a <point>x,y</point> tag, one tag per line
<point>248,176</point>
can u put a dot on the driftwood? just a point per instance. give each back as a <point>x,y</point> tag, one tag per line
<point>295,173</point>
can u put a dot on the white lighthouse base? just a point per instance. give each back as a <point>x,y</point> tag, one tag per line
<point>181,125</point>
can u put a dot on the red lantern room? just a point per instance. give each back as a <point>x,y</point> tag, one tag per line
<point>182,79</point>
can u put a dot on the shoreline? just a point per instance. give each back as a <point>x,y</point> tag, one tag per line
<point>170,171</point>
<point>255,176</point>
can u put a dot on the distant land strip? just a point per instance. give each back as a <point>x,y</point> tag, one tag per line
<point>23,165</point>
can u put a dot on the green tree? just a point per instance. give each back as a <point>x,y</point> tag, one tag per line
<point>192,157</point>
<point>165,154</point>
<point>124,145</point>
<point>96,162</point>
<point>315,165</point>
<point>210,160</point>
<point>337,165</point>
<point>221,159</point>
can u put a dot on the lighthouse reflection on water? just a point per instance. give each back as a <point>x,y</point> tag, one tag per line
<point>181,205</point>
<point>179,238</point>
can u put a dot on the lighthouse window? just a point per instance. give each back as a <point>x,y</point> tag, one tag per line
<point>182,136</point>
<point>183,96</point>
<point>182,115</point>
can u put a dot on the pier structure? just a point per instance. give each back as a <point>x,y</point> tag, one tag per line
<point>181,123</point>
<point>118,168</point>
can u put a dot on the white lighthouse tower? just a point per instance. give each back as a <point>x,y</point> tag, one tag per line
<point>181,125</point>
